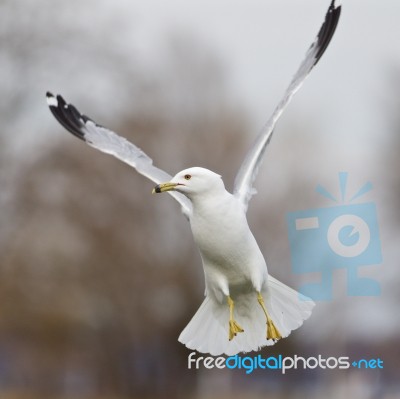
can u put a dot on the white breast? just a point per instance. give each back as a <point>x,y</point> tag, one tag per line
<point>225,241</point>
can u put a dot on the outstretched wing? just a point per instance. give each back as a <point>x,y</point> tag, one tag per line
<point>109,142</point>
<point>243,188</point>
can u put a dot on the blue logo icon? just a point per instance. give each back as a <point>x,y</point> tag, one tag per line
<point>345,236</point>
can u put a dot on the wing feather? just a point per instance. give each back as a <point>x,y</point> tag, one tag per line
<point>109,142</point>
<point>243,187</point>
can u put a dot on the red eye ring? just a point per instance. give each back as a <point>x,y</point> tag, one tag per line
<point>187,177</point>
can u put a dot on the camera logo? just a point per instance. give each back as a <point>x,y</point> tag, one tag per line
<point>345,236</point>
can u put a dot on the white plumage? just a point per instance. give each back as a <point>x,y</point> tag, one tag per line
<point>240,294</point>
<point>207,331</point>
<point>233,266</point>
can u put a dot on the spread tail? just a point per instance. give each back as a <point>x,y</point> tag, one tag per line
<point>207,332</point>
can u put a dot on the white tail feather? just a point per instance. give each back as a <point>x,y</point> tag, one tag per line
<point>207,332</point>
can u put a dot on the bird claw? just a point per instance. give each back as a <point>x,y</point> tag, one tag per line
<point>234,328</point>
<point>272,331</point>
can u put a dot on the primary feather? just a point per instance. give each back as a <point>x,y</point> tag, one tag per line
<point>109,142</point>
<point>247,173</point>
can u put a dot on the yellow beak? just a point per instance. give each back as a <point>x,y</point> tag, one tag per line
<point>160,188</point>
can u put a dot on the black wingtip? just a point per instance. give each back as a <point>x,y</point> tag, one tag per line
<point>328,28</point>
<point>67,115</point>
<point>51,100</point>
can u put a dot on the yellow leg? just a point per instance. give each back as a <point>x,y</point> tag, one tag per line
<point>234,327</point>
<point>272,331</point>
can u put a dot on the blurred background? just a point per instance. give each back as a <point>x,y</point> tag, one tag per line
<point>97,276</point>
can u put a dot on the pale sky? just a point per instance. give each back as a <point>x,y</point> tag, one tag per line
<point>261,43</point>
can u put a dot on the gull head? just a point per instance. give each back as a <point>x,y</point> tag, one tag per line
<point>193,181</point>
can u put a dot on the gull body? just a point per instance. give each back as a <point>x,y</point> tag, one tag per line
<point>235,273</point>
<point>230,254</point>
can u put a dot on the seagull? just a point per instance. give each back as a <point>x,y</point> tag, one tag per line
<point>244,308</point>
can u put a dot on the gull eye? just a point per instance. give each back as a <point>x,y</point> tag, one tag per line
<point>187,177</point>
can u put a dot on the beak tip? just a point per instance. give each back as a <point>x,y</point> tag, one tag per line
<point>156,189</point>
<point>160,188</point>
